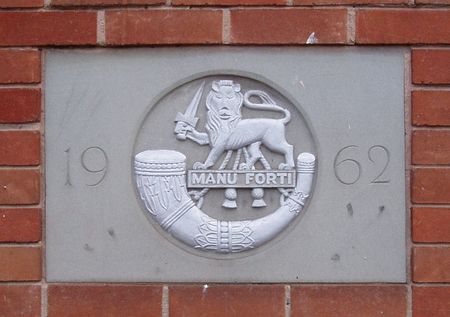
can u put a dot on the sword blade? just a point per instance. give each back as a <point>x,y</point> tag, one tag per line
<point>191,110</point>
<point>189,116</point>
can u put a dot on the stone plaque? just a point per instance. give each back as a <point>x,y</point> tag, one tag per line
<point>225,165</point>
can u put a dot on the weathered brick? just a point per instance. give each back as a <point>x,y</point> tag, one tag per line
<point>348,301</point>
<point>48,28</point>
<point>431,108</point>
<point>19,186</point>
<point>104,2</point>
<point>104,300</point>
<point>431,224</point>
<point>19,66</point>
<point>431,264</point>
<point>19,105</point>
<point>163,27</point>
<point>20,263</point>
<point>227,300</point>
<point>20,148</point>
<point>431,301</point>
<point>431,147</point>
<point>431,66</point>
<point>20,300</point>
<point>20,225</point>
<point>21,3</point>
<point>288,26</point>
<point>228,2</point>
<point>402,26</point>
<point>430,185</point>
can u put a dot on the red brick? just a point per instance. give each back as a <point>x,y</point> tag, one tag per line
<point>431,108</point>
<point>227,301</point>
<point>20,225</point>
<point>163,27</point>
<point>432,1</point>
<point>104,2</point>
<point>348,301</point>
<point>20,264</point>
<point>19,66</point>
<point>228,2</point>
<point>431,147</point>
<point>431,224</point>
<point>431,301</point>
<point>104,300</point>
<point>431,66</point>
<point>21,3</point>
<point>288,26</point>
<point>20,148</point>
<point>19,186</point>
<point>431,264</point>
<point>402,26</point>
<point>334,2</point>
<point>430,185</point>
<point>20,300</point>
<point>48,28</point>
<point>18,105</point>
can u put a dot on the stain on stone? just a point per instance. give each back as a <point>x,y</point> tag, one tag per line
<point>381,209</point>
<point>87,247</point>
<point>336,257</point>
<point>350,209</point>
<point>112,233</point>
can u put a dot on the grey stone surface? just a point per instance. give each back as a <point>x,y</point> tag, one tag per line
<point>104,106</point>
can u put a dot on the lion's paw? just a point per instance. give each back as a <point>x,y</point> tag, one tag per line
<point>243,166</point>
<point>199,166</point>
<point>195,195</point>
<point>284,166</point>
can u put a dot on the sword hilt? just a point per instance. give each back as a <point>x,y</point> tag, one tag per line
<point>192,121</point>
<point>182,120</point>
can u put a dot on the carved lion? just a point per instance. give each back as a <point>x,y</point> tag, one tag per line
<point>226,130</point>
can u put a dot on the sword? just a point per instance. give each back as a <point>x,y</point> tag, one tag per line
<point>189,116</point>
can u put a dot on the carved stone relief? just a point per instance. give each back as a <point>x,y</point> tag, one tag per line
<point>225,164</point>
<point>174,195</point>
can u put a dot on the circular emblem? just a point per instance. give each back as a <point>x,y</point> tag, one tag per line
<point>224,163</point>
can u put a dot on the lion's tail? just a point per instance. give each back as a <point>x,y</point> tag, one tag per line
<point>267,104</point>
<point>287,116</point>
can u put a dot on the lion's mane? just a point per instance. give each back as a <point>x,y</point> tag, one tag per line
<point>214,124</point>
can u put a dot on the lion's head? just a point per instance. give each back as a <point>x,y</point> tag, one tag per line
<point>224,104</point>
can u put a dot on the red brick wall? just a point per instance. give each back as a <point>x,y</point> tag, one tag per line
<point>27,27</point>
